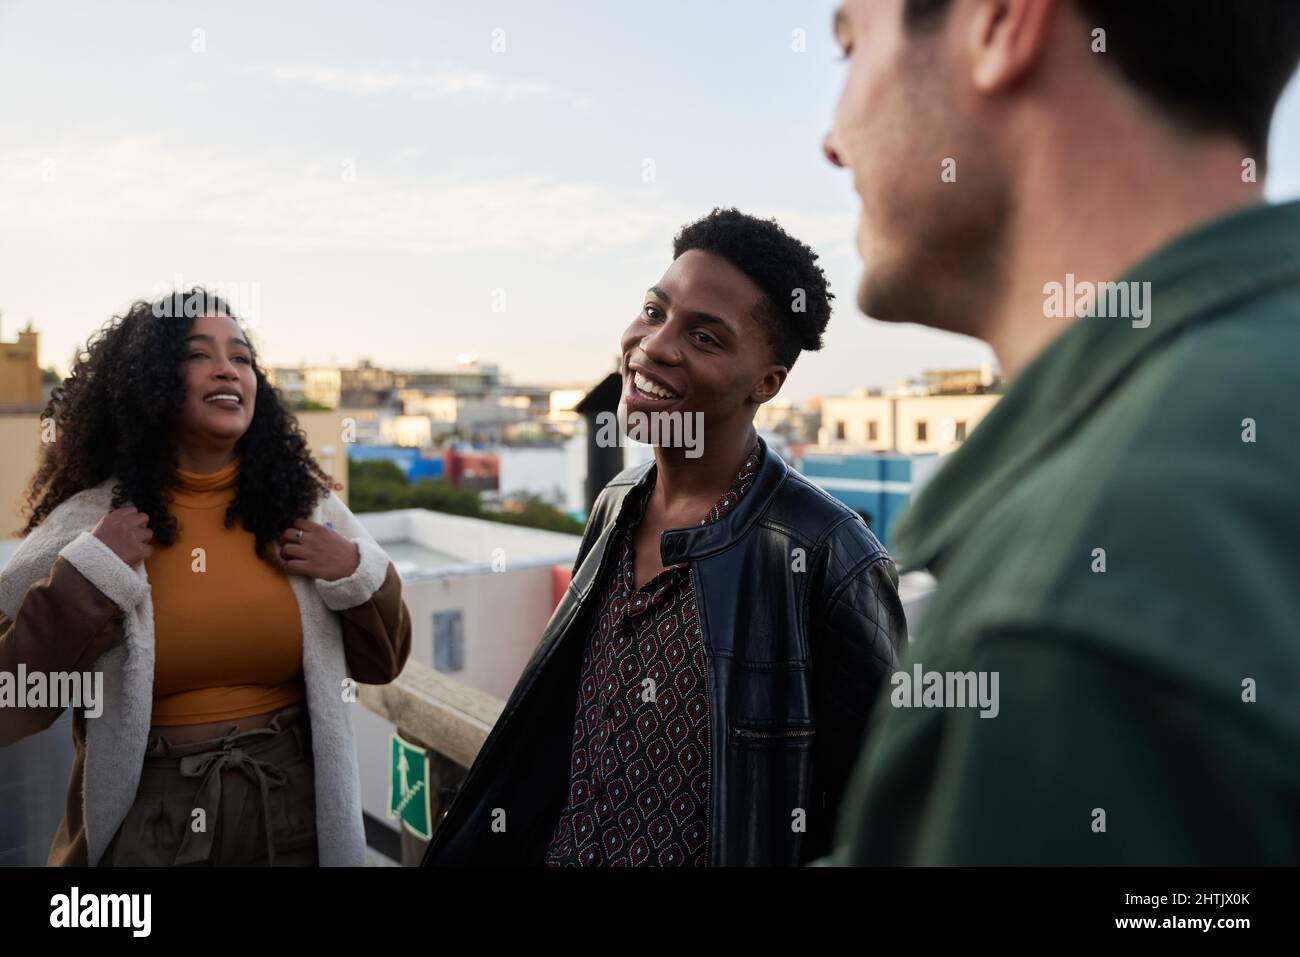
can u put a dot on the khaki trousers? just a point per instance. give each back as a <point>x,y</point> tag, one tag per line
<point>248,798</point>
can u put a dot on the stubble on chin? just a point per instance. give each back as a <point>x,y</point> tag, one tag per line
<point>947,271</point>
<point>890,288</point>
<point>888,297</point>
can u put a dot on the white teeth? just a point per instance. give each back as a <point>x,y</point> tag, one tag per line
<point>227,396</point>
<point>645,385</point>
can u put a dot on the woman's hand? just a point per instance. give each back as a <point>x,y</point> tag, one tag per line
<point>318,552</point>
<point>126,531</point>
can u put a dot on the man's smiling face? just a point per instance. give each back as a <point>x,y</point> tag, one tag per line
<point>697,346</point>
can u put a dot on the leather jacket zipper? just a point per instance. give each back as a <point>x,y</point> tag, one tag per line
<point>756,734</point>
<point>708,752</point>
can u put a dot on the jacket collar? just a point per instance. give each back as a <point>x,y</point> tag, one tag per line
<point>1194,279</point>
<point>699,541</point>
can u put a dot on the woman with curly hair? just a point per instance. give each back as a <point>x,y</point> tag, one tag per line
<point>183,543</point>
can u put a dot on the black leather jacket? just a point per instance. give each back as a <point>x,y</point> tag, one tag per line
<point>800,620</point>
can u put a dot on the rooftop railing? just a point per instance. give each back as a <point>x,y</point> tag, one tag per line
<point>447,719</point>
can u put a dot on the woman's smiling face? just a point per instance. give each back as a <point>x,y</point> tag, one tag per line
<point>220,386</point>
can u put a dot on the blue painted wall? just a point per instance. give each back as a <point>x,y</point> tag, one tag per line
<point>877,484</point>
<point>408,460</point>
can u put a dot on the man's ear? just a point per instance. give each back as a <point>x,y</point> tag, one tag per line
<point>768,386</point>
<point>1006,40</point>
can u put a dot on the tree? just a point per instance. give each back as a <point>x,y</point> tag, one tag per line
<point>380,485</point>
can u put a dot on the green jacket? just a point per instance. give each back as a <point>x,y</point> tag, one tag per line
<point>1161,696</point>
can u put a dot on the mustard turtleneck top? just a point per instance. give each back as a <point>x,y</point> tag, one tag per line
<point>227,629</point>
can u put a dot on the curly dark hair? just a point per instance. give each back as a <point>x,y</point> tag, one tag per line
<point>798,299</point>
<point>116,415</point>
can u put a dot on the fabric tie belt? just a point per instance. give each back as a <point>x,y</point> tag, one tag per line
<point>231,753</point>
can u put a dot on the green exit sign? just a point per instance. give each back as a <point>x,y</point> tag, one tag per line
<point>408,788</point>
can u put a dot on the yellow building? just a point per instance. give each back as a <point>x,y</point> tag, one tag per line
<point>561,413</point>
<point>861,421</point>
<point>408,431</point>
<point>907,424</point>
<point>20,439</point>
<point>439,407</point>
<point>328,436</point>
<point>20,374</point>
<point>323,385</point>
<point>320,384</point>
<point>938,423</point>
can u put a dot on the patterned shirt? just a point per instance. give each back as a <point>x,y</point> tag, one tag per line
<point>639,768</point>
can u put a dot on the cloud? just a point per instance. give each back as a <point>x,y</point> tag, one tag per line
<point>413,80</point>
<point>141,184</point>
<point>142,190</point>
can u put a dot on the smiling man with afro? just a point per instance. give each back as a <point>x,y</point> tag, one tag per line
<point>701,692</point>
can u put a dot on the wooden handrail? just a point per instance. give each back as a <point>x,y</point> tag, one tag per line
<point>435,711</point>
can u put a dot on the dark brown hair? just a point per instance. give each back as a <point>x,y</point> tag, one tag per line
<point>1211,66</point>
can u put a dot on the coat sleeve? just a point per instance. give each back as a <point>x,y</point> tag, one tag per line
<point>858,632</point>
<point>65,623</point>
<point>375,621</point>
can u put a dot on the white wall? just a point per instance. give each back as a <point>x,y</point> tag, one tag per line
<point>473,540</point>
<point>503,612</point>
<point>540,471</point>
<point>503,618</point>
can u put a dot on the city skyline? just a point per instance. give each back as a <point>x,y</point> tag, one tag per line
<point>500,180</point>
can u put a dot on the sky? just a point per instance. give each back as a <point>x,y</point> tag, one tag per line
<point>409,182</point>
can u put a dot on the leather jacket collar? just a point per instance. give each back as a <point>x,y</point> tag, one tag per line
<point>699,541</point>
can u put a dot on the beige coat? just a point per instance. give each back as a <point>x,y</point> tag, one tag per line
<point>68,603</point>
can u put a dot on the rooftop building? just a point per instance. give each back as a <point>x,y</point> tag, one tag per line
<point>20,373</point>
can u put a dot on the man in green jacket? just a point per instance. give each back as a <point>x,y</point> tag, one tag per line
<point>1109,669</point>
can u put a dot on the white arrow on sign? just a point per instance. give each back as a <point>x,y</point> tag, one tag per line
<point>403,768</point>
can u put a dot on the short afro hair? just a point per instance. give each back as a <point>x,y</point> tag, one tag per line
<point>798,300</point>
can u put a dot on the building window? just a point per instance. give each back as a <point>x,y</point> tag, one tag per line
<point>959,433</point>
<point>921,430</point>
<point>839,431</point>
<point>448,641</point>
<point>873,431</point>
